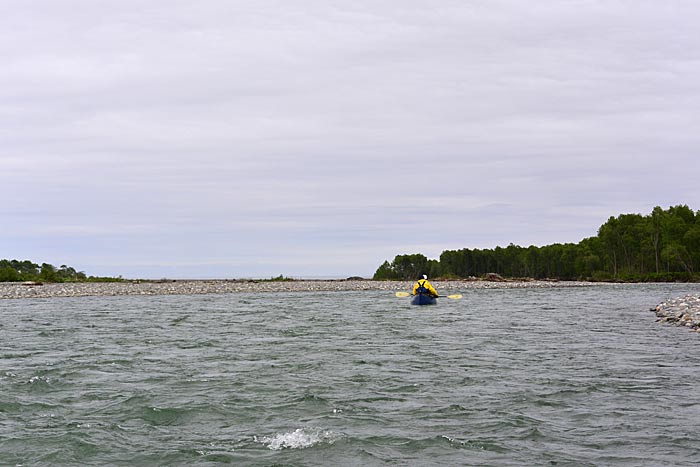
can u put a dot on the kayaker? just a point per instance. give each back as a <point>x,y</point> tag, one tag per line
<point>422,285</point>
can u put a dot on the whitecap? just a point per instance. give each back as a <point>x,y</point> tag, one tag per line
<point>298,439</point>
<point>39,380</point>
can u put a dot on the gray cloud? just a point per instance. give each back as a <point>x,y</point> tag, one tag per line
<point>320,138</point>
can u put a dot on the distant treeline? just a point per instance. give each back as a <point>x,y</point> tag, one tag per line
<point>663,246</point>
<point>20,271</point>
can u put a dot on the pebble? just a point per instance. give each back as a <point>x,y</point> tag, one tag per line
<point>682,311</point>
<point>15,290</point>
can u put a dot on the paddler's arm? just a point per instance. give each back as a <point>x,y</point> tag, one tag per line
<point>431,289</point>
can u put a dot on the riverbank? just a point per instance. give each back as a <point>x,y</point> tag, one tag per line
<point>683,311</point>
<point>16,290</point>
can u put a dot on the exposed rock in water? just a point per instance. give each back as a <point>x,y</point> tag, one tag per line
<point>682,311</point>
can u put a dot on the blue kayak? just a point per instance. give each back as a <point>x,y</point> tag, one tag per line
<point>423,299</point>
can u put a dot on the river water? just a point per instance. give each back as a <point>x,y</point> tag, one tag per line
<point>509,377</point>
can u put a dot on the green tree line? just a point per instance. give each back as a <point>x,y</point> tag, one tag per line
<point>662,246</point>
<point>20,271</point>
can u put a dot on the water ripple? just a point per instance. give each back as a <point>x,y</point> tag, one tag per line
<point>502,377</point>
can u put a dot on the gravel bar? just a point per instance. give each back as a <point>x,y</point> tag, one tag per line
<point>17,290</point>
<point>683,311</point>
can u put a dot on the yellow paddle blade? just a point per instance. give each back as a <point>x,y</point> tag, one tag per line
<point>455,296</point>
<point>402,294</point>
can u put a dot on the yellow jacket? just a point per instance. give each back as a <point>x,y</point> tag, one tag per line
<point>427,285</point>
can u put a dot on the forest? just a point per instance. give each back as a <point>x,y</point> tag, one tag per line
<point>20,271</point>
<point>663,246</point>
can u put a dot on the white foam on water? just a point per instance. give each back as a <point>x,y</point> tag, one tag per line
<point>35,379</point>
<point>298,439</point>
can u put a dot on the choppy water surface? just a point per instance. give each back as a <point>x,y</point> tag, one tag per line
<point>568,376</point>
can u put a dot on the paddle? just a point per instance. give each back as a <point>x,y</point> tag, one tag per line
<point>456,296</point>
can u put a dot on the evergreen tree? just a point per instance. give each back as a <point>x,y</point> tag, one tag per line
<point>664,245</point>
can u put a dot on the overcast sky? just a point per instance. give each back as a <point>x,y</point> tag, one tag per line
<point>318,138</point>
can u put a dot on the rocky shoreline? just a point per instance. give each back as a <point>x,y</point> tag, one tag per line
<point>15,290</point>
<point>682,311</point>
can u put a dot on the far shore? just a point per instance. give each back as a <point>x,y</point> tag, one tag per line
<point>18,290</point>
